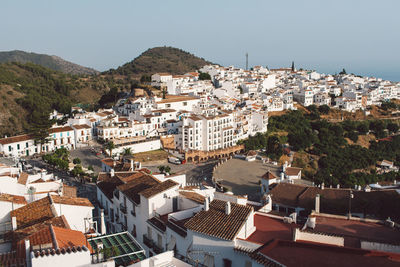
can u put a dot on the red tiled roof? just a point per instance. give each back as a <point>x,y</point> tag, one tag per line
<point>193,196</point>
<point>215,222</point>
<point>60,129</point>
<point>15,139</point>
<point>299,254</point>
<point>13,198</point>
<point>268,176</point>
<point>75,201</point>
<point>23,178</point>
<point>292,171</point>
<point>81,126</point>
<point>159,188</point>
<point>33,213</point>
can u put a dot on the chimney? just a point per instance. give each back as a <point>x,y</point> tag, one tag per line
<point>14,223</point>
<point>323,186</point>
<point>282,176</point>
<point>114,163</point>
<point>317,203</point>
<point>102,222</point>
<point>228,208</point>
<point>112,173</point>
<point>206,204</point>
<point>338,186</point>
<point>132,167</point>
<point>311,222</point>
<point>28,253</point>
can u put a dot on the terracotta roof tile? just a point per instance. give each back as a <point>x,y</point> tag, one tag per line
<point>13,198</point>
<point>23,178</point>
<point>33,213</point>
<point>60,129</point>
<point>159,188</point>
<point>193,196</point>
<point>15,139</point>
<point>268,176</point>
<point>76,201</point>
<point>215,222</point>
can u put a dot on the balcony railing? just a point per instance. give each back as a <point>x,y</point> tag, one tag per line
<point>147,241</point>
<point>157,249</point>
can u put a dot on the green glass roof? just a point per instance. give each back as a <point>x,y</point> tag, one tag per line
<point>129,251</point>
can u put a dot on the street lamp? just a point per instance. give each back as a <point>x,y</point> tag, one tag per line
<point>350,197</point>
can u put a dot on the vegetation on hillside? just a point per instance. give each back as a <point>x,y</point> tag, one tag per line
<point>338,161</point>
<point>51,62</point>
<point>161,59</point>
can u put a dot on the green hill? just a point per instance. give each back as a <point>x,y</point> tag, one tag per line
<point>161,59</point>
<point>51,62</point>
<point>28,88</point>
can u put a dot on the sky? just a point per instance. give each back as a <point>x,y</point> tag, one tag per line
<point>325,35</point>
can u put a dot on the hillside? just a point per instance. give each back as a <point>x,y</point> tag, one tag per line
<point>51,62</point>
<point>28,88</point>
<point>161,59</point>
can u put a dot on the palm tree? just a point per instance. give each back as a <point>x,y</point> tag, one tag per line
<point>110,146</point>
<point>127,151</point>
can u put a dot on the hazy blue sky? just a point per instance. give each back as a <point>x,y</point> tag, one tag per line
<point>361,36</point>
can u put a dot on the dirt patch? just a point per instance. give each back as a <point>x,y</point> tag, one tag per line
<point>156,155</point>
<point>308,162</point>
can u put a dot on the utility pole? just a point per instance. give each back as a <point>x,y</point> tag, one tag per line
<point>247,61</point>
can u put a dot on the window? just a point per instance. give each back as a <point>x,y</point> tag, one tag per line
<point>185,103</point>
<point>27,144</point>
<point>18,146</point>
<point>134,232</point>
<point>159,240</point>
<point>227,263</point>
<point>9,148</point>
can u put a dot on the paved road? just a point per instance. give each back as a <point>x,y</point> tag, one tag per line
<point>242,176</point>
<point>88,157</point>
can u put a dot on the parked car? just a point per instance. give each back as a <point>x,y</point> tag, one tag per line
<point>174,160</point>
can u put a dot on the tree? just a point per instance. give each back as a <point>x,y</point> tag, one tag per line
<point>167,169</point>
<point>40,124</point>
<point>292,65</point>
<point>110,146</point>
<point>363,128</point>
<point>204,76</point>
<point>353,136</point>
<point>273,148</point>
<point>343,72</point>
<point>161,168</point>
<point>324,109</point>
<point>76,161</point>
<point>127,151</point>
<point>392,127</point>
<point>77,171</point>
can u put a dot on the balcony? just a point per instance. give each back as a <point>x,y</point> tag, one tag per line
<point>122,208</point>
<point>157,249</point>
<point>147,241</point>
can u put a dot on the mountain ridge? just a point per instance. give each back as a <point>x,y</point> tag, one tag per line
<point>49,61</point>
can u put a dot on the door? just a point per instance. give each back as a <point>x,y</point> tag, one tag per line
<point>175,204</point>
